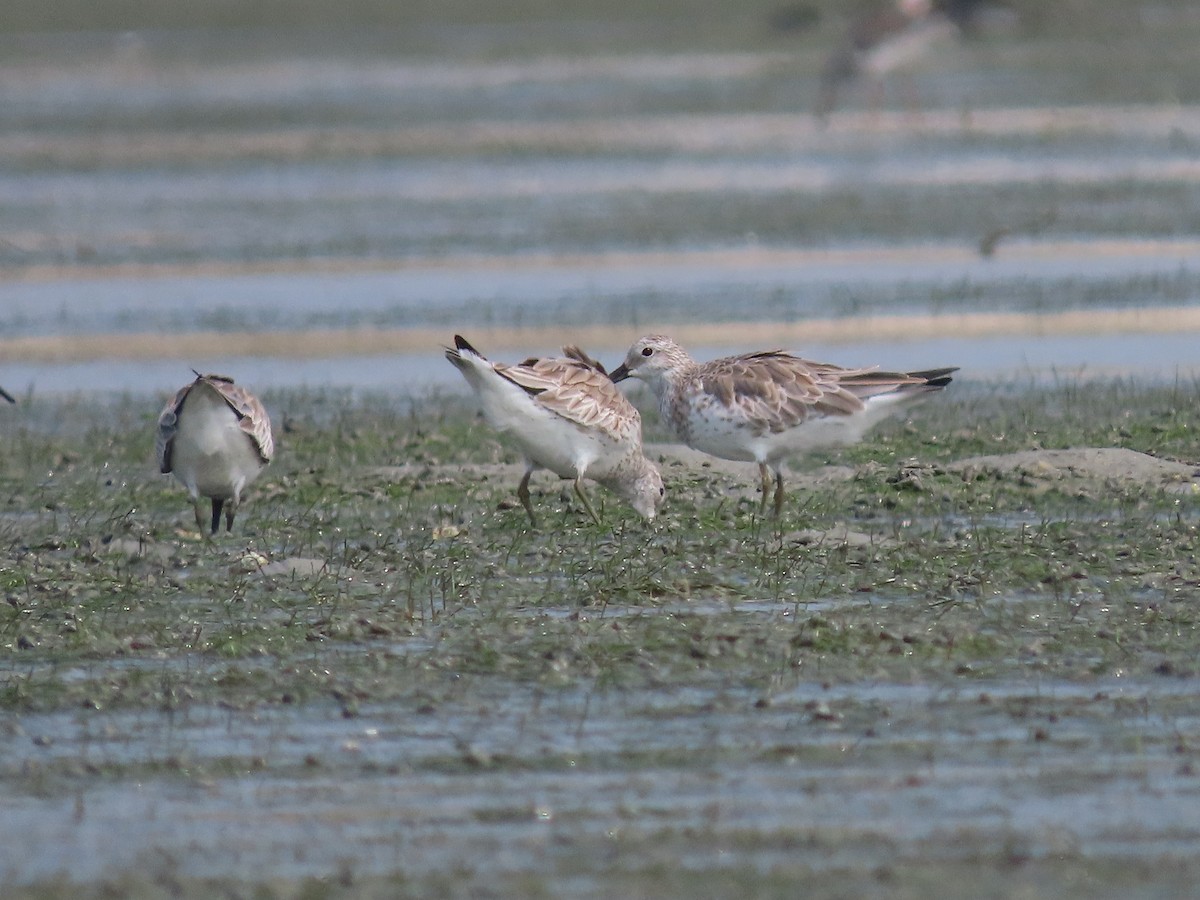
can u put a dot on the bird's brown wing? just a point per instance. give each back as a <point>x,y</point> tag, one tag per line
<point>252,415</point>
<point>579,392</point>
<point>773,391</point>
<point>168,422</point>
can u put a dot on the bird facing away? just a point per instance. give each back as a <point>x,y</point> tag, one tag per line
<point>887,40</point>
<point>215,438</point>
<point>764,407</point>
<point>565,415</point>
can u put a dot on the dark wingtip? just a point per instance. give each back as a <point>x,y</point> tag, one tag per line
<point>212,376</point>
<point>461,343</point>
<point>578,354</point>
<point>936,377</point>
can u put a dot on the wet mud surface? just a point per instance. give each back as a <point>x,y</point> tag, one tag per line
<point>964,645</point>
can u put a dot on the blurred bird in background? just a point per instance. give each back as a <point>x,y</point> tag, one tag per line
<point>892,39</point>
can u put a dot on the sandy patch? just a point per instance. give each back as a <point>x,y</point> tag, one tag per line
<point>1103,463</point>
<point>1085,463</point>
<point>669,456</point>
<point>433,473</point>
<point>840,536</point>
<point>303,567</point>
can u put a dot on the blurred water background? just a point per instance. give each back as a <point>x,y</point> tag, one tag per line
<point>310,194</point>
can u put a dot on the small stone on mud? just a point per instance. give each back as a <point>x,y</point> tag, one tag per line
<point>822,712</point>
<point>476,757</point>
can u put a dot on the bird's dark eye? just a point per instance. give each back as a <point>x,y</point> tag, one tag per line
<point>647,351</point>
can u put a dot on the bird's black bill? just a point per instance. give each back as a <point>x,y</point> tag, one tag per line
<point>620,373</point>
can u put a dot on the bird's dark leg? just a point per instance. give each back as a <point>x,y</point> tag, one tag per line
<point>586,503</point>
<point>765,475</point>
<point>778,493</point>
<point>217,503</point>
<point>523,496</point>
<point>201,520</point>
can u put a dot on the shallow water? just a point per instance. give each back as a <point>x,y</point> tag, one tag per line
<point>170,182</point>
<point>889,769</point>
<point>605,302</point>
<point>1027,359</point>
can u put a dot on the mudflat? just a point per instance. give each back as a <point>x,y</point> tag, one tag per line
<point>968,646</point>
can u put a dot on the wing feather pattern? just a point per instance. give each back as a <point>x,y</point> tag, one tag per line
<point>578,389</point>
<point>773,391</point>
<point>252,416</point>
<point>168,421</point>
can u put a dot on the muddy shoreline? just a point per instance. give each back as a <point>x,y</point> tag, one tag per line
<point>948,619</point>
